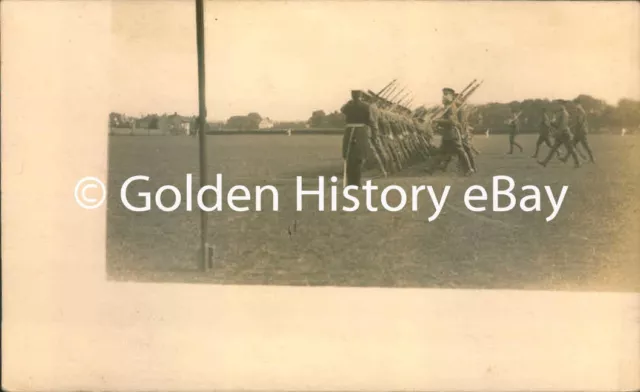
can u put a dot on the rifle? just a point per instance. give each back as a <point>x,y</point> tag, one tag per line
<point>512,120</point>
<point>402,101</point>
<point>463,98</point>
<point>464,90</point>
<point>388,93</point>
<point>385,88</point>
<point>396,96</point>
<point>460,99</point>
<point>409,103</point>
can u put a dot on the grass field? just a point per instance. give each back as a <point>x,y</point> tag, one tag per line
<point>591,244</point>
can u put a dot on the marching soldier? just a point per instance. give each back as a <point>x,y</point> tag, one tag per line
<point>544,135</point>
<point>465,137</point>
<point>451,141</point>
<point>377,148</point>
<point>355,140</point>
<point>385,138</point>
<point>514,130</point>
<point>563,137</point>
<point>465,133</point>
<point>580,134</point>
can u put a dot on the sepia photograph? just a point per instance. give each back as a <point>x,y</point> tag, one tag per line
<point>411,104</point>
<point>320,195</point>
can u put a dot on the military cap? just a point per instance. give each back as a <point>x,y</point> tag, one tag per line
<point>448,90</point>
<point>358,93</point>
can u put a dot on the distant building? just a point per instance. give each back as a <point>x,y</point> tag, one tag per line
<point>266,123</point>
<point>147,122</point>
<point>175,124</point>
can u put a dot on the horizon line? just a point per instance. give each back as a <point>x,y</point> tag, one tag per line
<point>331,111</point>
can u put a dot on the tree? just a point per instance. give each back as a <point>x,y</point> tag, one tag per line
<point>152,121</point>
<point>494,116</point>
<point>335,120</point>
<point>593,106</point>
<point>317,119</point>
<point>238,122</point>
<point>249,122</point>
<point>628,113</point>
<point>115,119</point>
<point>253,120</point>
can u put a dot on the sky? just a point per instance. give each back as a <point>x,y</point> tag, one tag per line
<point>287,59</point>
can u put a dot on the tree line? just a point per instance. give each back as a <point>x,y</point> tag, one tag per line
<point>602,117</point>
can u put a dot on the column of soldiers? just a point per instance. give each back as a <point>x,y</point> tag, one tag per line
<point>382,133</point>
<point>390,136</point>
<point>564,136</point>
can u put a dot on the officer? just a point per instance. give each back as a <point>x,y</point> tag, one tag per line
<point>451,141</point>
<point>359,120</point>
<point>465,136</point>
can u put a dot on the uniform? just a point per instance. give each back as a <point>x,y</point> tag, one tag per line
<point>463,121</point>
<point>387,138</point>
<point>465,133</point>
<point>580,134</point>
<point>514,130</point>
<point>563,137</point>
<point>356,138</point>
<point>377,148</point>
<point>451,141</point>
<point>544,135</point>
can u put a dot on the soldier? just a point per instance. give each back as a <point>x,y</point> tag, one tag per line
<point>544,135</point>
<point>580,134</point>
<point>563,137</point>
<point>514,129</point>
<point>451,141</point>
<point>356,136</point>
<point>470,134</point>
<point>465,137</point>
<point>387,139</point>
<point>377,149</point>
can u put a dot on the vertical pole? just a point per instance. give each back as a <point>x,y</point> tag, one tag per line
<point>202,122</point>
